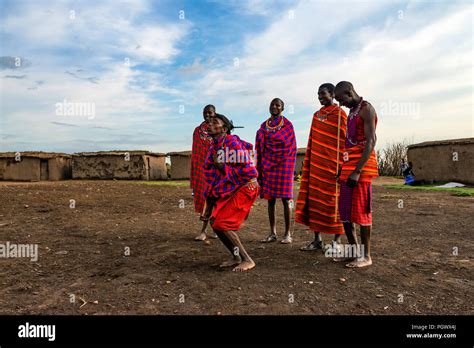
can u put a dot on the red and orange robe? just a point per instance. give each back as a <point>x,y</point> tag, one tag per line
<point>355,204</point>
<point>316,203</point>
<point>201,144</point>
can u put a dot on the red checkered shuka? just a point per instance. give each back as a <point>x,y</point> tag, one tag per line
<point>275,147</point>
<point>236,172</point>
<point>201,143</point>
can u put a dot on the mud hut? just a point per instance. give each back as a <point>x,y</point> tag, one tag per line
<point>180,165</point>
<point>34,166</point>
<point>445,160</point>
<point>126,165</point>
<point>299,160</point>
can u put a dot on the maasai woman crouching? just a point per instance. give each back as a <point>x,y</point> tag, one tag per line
<point>232,188</point>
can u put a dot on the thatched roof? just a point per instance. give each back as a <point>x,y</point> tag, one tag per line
<point>180,153</point>
<point>301,151</point>
<point>119,153</point>
<point>34,154</point>
<point>463,141</point>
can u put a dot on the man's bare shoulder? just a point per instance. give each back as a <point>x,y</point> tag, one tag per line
<point>368,112</point>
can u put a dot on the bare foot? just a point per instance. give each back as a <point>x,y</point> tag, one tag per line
<point>343,259</point>
<point>244,266</point>
<point>360,262</point>
<point>201,237</point>
<point>230,263</point>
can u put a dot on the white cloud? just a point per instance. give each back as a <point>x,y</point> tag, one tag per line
<point>106,27</point>
<point>424,58</point>
<point>255,7</point>
<point>403,61</point>
<point>104,42</point>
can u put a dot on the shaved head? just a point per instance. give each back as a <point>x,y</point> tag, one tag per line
<point>209,112</point>
<point>345,86</point>
<point>346,95</point>
<point>278,99</point>
<point>328,86</point>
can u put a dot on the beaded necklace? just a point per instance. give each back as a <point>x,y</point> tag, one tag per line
<point>353,113</point>
<point>203,134</point>
<point>323,116</point>
<point>223,142</point>
<point>274,128</point>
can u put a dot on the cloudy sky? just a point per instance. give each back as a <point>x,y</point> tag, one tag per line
<point>136,74</point>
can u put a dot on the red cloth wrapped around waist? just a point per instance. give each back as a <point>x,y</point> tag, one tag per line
<point>351,158</point>
<point>230,212</point>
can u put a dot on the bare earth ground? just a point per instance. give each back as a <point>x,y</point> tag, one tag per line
<point>81,252</point>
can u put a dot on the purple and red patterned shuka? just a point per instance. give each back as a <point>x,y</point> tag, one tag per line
<point>238,171</point>
<point>276,156</point>
<point>201,143</point>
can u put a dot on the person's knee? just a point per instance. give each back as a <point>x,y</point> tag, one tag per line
<point>272,201</point>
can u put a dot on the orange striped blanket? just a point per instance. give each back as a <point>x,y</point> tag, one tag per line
<point>316,202</point>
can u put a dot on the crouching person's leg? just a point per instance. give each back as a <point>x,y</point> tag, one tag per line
<point>236,259</point>
<point>238,249</point>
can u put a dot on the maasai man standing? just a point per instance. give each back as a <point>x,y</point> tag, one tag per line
<point>276,156</point>
<point>358,169</point>
<point>201,144</point>
<point>232,187</point>
<point>316,203</point>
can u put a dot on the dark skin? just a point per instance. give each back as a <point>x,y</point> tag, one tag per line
<point>326,98</point>
<point>276,108</point>
<point>350,99</point>
<point>346,96</point>
<point>217,131</point>
<point>240,258</point>
<point>208,114</point>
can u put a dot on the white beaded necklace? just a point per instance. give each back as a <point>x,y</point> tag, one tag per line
<point>352,114</point>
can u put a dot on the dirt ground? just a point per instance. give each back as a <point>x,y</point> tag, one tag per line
<point>422,256</point>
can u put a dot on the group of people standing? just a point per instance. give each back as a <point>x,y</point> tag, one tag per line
<point>228,174</point>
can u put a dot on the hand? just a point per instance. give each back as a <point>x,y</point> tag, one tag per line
<point>338,174</point>
<point>206,214</point>
<point>253,185</point>
<point>353,179</point>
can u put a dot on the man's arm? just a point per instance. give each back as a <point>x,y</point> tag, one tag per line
<point>368,116</point>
